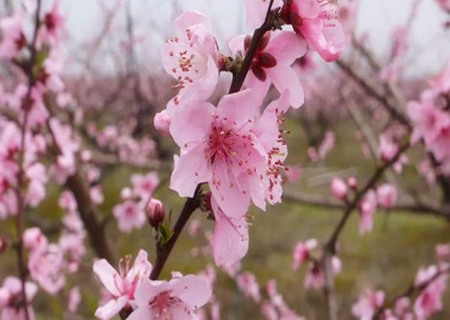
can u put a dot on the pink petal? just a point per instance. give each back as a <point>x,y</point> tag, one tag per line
<point>230,241</point>
<point>285,79</point>
<point>191,169</point>
<point>141,313</point>
<point>187,127</point>
<point>111,308</point>
<point>194,291</point>
<point>286,47</point>
<point>107,275</point>
<point>240,107</point>
<point>147,290</point>
<point>307,8</point>
<point>232,196</point>
<point>190,18</point>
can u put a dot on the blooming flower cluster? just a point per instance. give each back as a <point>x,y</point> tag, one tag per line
<point>130,214</point>
<point>234,147</point>
<point>130,289</point>
<point>431,120</point>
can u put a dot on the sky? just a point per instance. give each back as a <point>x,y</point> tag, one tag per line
<point>429,43</point>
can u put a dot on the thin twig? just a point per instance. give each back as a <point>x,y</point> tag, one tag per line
<point>26,105</point>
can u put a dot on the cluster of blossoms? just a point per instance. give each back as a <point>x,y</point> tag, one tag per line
<point>130,214</point>
<point>119,141</point>
<point>48,263</point>
<point>234,147</point>
<point>315,275</point>
<point>431,120</point>
<point>131,291</point>
<point>428,289</point>
<point>384,197</point>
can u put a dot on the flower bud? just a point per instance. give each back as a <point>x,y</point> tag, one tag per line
<point>161,121</point>
<point>352,182</point>
<point>338,188</point>
<point>156,212</point>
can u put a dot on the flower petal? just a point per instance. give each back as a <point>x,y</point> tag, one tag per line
<point>111,308</point>
<point>107,275</point>
<point>191,169</point>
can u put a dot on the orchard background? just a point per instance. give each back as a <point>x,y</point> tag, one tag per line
<point>93,111</point>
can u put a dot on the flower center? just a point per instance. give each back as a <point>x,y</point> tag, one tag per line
<point>162,304</point>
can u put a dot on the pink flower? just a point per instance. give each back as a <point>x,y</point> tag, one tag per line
<point>339,188</point>
<point>445,4</point>
<point>13,39</point>
<point>46,266</point>
<point>316,20</point>
<point>430,300</point>
<point>240,159</point>
<point>347,14</point>
<point>386,196</point>
<point>12,302</point>
<point>121,285</point>
<point>367,209</point>
<point>367,305</point>
<point>53,23</point>
<point>191,57</point>
<point>176,299</point>
<point>129,216</point>
<point>302,251</point>
<point>427,119</point>
<point>440,146</point>
<point>443,251</point>
<point>34,239</point>
<point>272,64</point>
<point>387,148</point>
<point>315,277</point>
<point>144,185</point>
<point>249,285</point>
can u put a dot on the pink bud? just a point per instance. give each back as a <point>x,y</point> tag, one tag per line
<point>386,196</point>
<point>161,121</point>
<point>339,188</point>
<point>352,182</point>
<point>126,193</point>
<point>156,212</point>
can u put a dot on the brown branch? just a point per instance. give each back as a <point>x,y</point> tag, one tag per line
<point>372,91</point>
<point>88,213</point>
<point>26,105</point>
<point>330,246</point>
<point>326,202</point>
<point>411,291</point>
<point>163,250</point>
<point>331,243</point>
<point>238,80</point>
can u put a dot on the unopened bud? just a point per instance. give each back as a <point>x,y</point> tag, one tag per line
<point>161,121</point>
<point>156,212</point>
<point>338,188</point>
<point>352,182</point>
